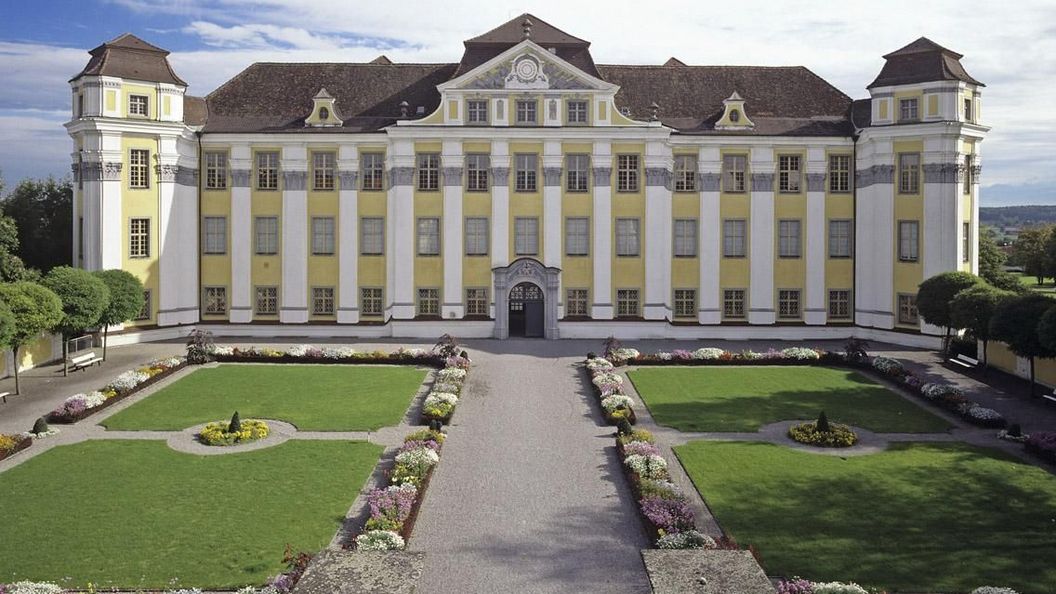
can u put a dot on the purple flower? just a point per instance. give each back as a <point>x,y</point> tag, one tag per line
<point>640,447</point>
<point>773,354</point>
<point>394,503</point>
<point>681,354</point>
<point>282,583</point>
<point>669,515</point>
<point>795,586</point>
<point>416,444</point>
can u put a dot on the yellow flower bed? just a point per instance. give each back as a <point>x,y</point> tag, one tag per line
<point>838,436</point>
<point>8,442</point>
<point>217,434</point>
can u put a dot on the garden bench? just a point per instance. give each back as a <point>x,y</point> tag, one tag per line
<point>85,360</point>
<point>965,361</point>
<point>4,395</point>
<point>1051,398</point>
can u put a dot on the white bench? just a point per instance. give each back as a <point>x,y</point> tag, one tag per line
<point>1050,397</point>
<point>965,361</point>
<point>84,361</point>
<point>4,395</point>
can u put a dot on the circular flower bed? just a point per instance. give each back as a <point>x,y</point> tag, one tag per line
<point>838,436</point>
<point>220,434</point>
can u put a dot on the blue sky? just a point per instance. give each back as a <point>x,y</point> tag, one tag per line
<point>45,42</point>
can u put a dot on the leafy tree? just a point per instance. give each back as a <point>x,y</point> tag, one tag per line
<point>36,310</point>
<point>1029,251</point>
<point>992,261</point>
<point>935,294</point>
<point>126,299</point>
<point>8,324</point>
<point>43,214</point>
<point>1015,321</point>
<point>83,296</point>
<point>973,308</point>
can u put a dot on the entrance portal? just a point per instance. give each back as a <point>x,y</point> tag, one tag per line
<point>526,310</point>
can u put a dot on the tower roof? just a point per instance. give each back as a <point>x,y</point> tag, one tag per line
<point>512,32</point>
<point>128,56</point>
<point>922,61</point>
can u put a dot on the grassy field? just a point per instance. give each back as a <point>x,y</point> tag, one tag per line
<point>312,397</point>
<point>915,518</point>
<point>136,514</point>
<point>746,398</point>
<point>1031,282</point>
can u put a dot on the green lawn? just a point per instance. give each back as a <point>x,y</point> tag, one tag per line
<point>915,518</point>
<point>136,514</point>
<point>312,397</point>
<point>746,398</point>
<point>1031,282</point>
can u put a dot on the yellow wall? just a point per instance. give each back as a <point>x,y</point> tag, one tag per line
<point>527,204</point>
<point>685,271</point>
<point>265,270</point>
<point>998,356</point>
<point>150,92</point>
<point>908,207</point>
<point>139,203</point>
<point>839,272</point>
<point>476,270</point>
<point>734,272</point>
<point>371,269</point>
<point>428,270</point>
<point>790,273</point>
<point>322,269</point>
<point>215,268</point>
<point>628,272</point>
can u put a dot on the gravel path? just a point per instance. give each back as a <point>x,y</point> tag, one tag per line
<point>529,496</point>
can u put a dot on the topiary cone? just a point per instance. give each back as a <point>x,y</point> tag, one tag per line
<point>823,423</point>
<point>40,426</point>
<point>623,427</point>
<point>236,423</point>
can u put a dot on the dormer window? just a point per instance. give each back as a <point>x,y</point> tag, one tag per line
<point>138,106</point>
<point>735,115</point>
<point>324,113</point>
<point>908,110</point>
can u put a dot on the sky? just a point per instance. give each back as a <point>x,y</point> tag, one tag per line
<point>44,43</point>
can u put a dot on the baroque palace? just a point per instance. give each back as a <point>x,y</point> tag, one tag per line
<point>526,190</point>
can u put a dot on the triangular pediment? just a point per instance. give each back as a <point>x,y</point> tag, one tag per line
<point>527,66</point>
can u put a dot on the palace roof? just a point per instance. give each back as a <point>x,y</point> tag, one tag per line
<point>922,61</point>
<point>128,56</point>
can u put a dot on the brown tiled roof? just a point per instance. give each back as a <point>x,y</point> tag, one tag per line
<point>128,56</point>
<point>542,32</point>
<point>195,110</point>
<point>484,47</point>
<point>862,113</point>
<point>922,61</point>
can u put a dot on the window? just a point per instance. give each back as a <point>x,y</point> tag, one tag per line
<point>788,239</point>
<point>371,236</point>
<point>577,112</point>
<point>908,245</point>
<point>685,303</point>
<point>685,173</point>
<point>839,174</point>
<point>139,168</point>
<point>139,238</point>
<point>215,299</point>
<point>477,172</point>
<point>267,232</point>
<point>735,116</point>
<point>477,302</point>
<point>788,303</point>
<point>789,175</point>
<point>967,189</point>
<point>627,238</point>
<point>685,233</point>
<point>577,236</point>
<point>626,173</point>
<point>267,301</point>
<point>322,301</point>
<point>526,112</point>
<point>967,110</point>
<point>323,236</point>
<point>147,310</point>
<point>428,302</point>
<point>525,236</point>
<point>214,235</point>
<point>268,171</point>
<point>323,171</point>
<point>476,236</point>
<point>139,105</point>
<point>80,105</point>
<point>575,303</point>
<point>966,242</point>
<point>734,168</point>
<point>577,170</point>
<point>733,303</point>
<point>372,167</point>
<point>733,238</point>
<point>840,304</point>
<point>215,171</point>
<point>907,110</point>
<point>526,172</point>
<point>428,172</point>
<point>370,301</point>
<point>909,173</point>
<point>324,113</point>
<point>626,303</point>
<point>428,236</point>
<point>840,239</point>
<point>477,111</point>
<point>907,309</point>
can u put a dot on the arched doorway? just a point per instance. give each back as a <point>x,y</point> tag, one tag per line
<point>545,279</point>
<point>526,310</point>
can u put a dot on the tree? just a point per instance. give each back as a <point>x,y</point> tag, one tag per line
<point>1047,330</point>
<point>1029,251</point>
<point>992,264</point>
<point>126,299</point>
<point>935,294</point>
<point>36,309</point>
<point>973,308</point>
<point>1015,322</point>
<point>43,214</point>
<point>83,296</point>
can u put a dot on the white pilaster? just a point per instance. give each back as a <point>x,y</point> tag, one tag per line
<point>658,229</point>
<point>399,232</point>
<point>761,298</point>
<point>170,252</point>
<point>500,203</point>
<point>348,235</point>
<point>451,160</point>
<point>602,306</point>
<point>294,231</point>
<point>552,232</point>
<point>710,235</point>
<point>816,230</point>
<point>241,226</point>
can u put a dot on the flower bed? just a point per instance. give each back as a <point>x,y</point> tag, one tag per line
<point>303,353</point>
<point>615,405</point>
<point>394,509</point>
<point>716,356</point>
<point>1043,445</point>
<point>440,402</point>
<point>838,436</point>
<point>79,406</point>
<point>802,586</point>
<point>11,445</point>
<point>220,433</point>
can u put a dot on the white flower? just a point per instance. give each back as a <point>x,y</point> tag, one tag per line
<point>379,540</point>
<point>223,350</point>
<point>887,365</point>
<point>298,350</point>
<point>983,414</point>
<point>664,356</point>
<point>708,353</point>
<point>418,457</point>
<point>800,354</point>
<point>936,390</point>
<point>608,379</point>
<point>625,354</point>
<point>599,364</point>
<point>251,590</point>
<point>128,380</point>
<point>447,387</point>
<point>690,539</point>
<point>436,398</point>
<point>33,588</point>
<point>652,466</point>
<point>838,588</point>
<point>451,374</point>
<point>993,590</point>
<point>616,401</point>
<point>750,355</point>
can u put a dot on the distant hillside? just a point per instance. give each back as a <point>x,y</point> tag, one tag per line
<point>1017,216</point>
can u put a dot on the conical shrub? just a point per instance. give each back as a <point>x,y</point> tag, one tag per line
<point>823,423</point>
<point>236,423</point>
<point>40,426</point>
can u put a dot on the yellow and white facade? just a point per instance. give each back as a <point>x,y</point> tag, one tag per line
<point>527,198</point>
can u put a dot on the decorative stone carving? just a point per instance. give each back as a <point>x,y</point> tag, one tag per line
<point>603,177</point>
<point>551,176</point>
<point>111,171</point>
<point>500,176</point>
<point>552,107</point>
<point>815,182</point>
<point>527,73</point>
<point>348,179</point>
<point>75,170</point>
<point>452,176</point>
<point>943,173</point>
<point>294,181</point>
<point>709,182</point>
<point>658,177</point>
<point>977,170</point>
<point>401,176</point>
<point>762,182</point>
<point>239,178</point>
<point>166,173</point>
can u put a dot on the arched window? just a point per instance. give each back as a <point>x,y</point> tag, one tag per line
<point>324,113</point>
<point>735,115</point>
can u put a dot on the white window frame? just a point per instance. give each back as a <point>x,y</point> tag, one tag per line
<point>840,304</point>
<point>685,303</point>
<point>371,232</point>
<point>323,236</point>
<point>428,171</point>
<point>627,173</point>
<point>684,238</point>
<point>135,102</point>
<point>265,240</point>
<point>628,237</point>
<point>324,301</point>
<point>323,171</point>
<point>574,298</point>
<point>526,172</point>
<point>577,236</point>
<point>477,236</point>
<point>267,163</point>
<point>139,169</point>
<point>789,238</point>
<point>428,301</point>
<point>213,296</point>
<point>908,173</point>
<point>372,168</point>
<point>908,241</point>
<point>139,238</point>
<point>734,302</point>
<point>266,300</point>
<point>214,235</point>
<point>477,165</point>
<point>577,172</point>
<point>734,245</point>
<point>146,312</point>
<point>789,304</point>
<point>841,241</point>
<point>908,109</point>
<point>685,173</point>
<point>477,301</point>
<point>427,234</point>
<point>523,108</point>
<point>526,236</point>
<point>477,111</point>
<point>735,174</point>
<point>907,309</point>
<point>216,170</point>
<point>790,174</point>
<point>839,174</point>
<point>576,112</point>
<point>368,298</point>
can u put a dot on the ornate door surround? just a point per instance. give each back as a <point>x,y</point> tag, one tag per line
<point>547,278</point>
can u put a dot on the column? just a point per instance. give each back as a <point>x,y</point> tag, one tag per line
<point>500,205</point>
<point>709,166</point>
<point>601,294</point>
<point>170,254</point>
<point>874,235</point>
<point>658,228</point>
<point>451,159</point>
<point>977,169</point>
<point>552,161</point>
<point>816,230</point>
<point>293,228</point>
<point>399,231</point>
<point>113,234</point>
<point>241,226</point>
<point>761,298</point>
<point>188,223</point>
<point>348,234</point>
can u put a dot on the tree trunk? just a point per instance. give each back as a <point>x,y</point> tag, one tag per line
<point>946,343</point>
<point>106,334</point>
<point>65,357</point>
<point>16,349</point>
<point>1032,377</point>
<point>986,362</point>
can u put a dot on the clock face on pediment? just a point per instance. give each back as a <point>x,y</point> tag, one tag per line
<point>529,71</point>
